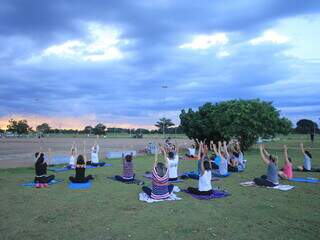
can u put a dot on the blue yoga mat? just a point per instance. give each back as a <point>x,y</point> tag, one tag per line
<point>79,186</point>
<point>306,180</point>
<point>64,169</point>
<point>219,175</point>
<point>32,184</point>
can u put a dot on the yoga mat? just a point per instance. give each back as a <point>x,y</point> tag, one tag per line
<point>149,176</point>
<point>79,186</point>
<point>64,169</point>
<point>305,180</point>
<point>281,187</point>
<point>32,184</point>
<point>214,174</point>
<point>215,194</point>
<point>135,181</point>
<point>312,170</point>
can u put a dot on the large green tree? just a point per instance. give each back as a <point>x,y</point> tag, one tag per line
<point>242,119</point>
<point>306,126</point>
<point>99,129</point>
<point>19,127</point>
<point>44,128</point>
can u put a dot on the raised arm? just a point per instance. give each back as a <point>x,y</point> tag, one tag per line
<point>202,166</point>
<point>219,148</point>
<point>286,158</point>
<point>211,145</point>
<point>215,149</point>
<point>263,156</point>
<point>156,156</point>
<point>225,148</point>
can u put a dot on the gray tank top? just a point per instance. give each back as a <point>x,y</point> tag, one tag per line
<point>272,173</point>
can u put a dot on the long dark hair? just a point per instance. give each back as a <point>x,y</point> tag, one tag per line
<point>161,169</point>
<point>308,154</point>
<point>40,157</point>
<point>128,157</point>
<point>80,160</point>
<point>171,155</point>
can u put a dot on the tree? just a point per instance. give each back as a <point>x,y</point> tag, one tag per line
<point>99,129</point>
<point>163,124</point>
<point>306,126</point>
<point>88,129</point>
<point>142,131</point>
<point>242,119</point>
<point>19,127</point>
<point>44,128</point>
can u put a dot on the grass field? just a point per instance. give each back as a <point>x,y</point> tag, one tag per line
<point>111,210</point>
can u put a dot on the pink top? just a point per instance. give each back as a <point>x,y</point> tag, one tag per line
<point>287,170</point>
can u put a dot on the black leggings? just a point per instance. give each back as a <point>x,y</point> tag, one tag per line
<point>83,180</point>
<point>214,165</point>
<point>263,181</point>
<point>121,179</point>
<point>173,179</point>
<point>148,190</point>
<point>99,164</point>
<point>189,156</point>
<point>232,169</point>
<point>197,192</point>
<point>44,179</point>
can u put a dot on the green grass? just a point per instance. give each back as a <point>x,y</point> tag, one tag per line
<point>111,210</point>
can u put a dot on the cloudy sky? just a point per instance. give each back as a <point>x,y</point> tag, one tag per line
<point>72,63</point>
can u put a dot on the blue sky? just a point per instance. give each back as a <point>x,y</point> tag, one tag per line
<point>72,63</point>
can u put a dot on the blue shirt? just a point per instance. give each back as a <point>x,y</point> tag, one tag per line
<point>272,173</point>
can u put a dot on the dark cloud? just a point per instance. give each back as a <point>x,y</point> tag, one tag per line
<point>131,87</point>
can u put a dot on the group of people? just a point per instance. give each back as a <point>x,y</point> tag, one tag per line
<point>220,158</point>
<point>76,162</point>
<point>271,179</point>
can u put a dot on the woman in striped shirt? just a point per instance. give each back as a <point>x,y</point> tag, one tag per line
<point>161,189</point>
<point>127,173</point>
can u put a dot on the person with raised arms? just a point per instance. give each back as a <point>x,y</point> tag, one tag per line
<point>95,156</point>
<point>41,178</point>
<point>173,162</point>
<point>191,151</point>
<point>307,160</point>
<point>73,154</point>
<point>239,157</point>
<point>223,155</point>
<point>80,176</point>
<point>161,189</point>
<point>287,171</point>
<point>271,179</point>
<point>205,176</point>
<point>127,172</point>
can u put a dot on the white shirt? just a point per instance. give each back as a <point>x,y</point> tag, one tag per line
<point>192,151</point>
<point>173,167</point>
<point>307,162</point>
<point>205,181</point>
<point>95,154</point>
<point>72,160</point>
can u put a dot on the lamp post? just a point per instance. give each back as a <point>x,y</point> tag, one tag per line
<point>164,87</point>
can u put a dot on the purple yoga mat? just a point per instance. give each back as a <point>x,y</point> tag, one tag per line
<point>215,194</point>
